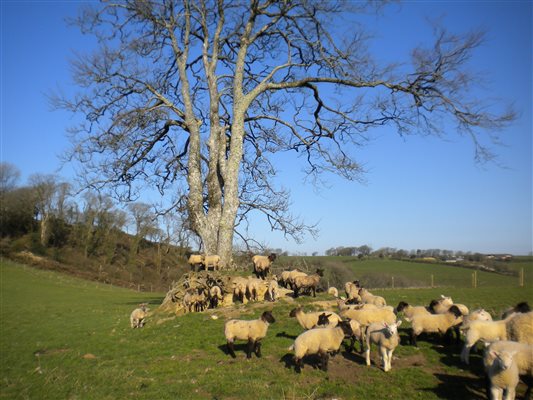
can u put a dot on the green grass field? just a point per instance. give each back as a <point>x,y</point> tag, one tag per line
<point>65,338</point>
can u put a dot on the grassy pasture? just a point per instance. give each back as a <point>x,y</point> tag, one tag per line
<point>65,338</point>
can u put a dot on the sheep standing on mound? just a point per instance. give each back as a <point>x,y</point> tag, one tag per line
<point>212,261</point>
<point>319,341</point>
<point>138,316</point>
<point>308,282</point>
<point>262,265</point>
<point>387,338</point>
<point>252,331</point>
<point>196,260</point>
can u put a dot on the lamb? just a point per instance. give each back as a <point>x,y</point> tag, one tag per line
<point>477,315</point>
<point>332,291</point>
<point>215,295</point>
<point>256,289</point>
<point>138,316</point>
<point>319,341</point>
<point>367,297</point>
<point>194,300</point>
<point>434,322</point>
<point>262,264</point>
<point>212,261</point>
<point>502,371</point>
<point>195,260</point>
<point>239,288</point>
<point>409,311</point>
<point>387,338</point>
<point>523,359</point>
<point>252,331</point>
<point>310,320</point>
<point>307,282</point>
<point>273,289</point>
<point>487,331</point>
<point>520,328</point>
<point>352,291</point>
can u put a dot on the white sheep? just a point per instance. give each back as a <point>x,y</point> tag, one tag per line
<point>215,295</point>
<point>477,315</point>
<point>409,311</point>
<point>502,371</point>
<point>332,291</point>
<point>523,358</point>
<point>262,264</point>
<point>386,337</point>
<point>310,320</point>
<point>367,297</point>
<point>194,300</point>
<point>352,291</point>
<point>138,316</point>
<point>301,283</point>
<point>319,341</point>
<point>520,328</point>
<point>341,304</point>
<point>442,305</point>
<point>256,289</point>
<point>273,289</point>
<point>487,331</point>
<point>434,323</point>
<point>212,261</point>
<point>366,316</point>
<point>239,285</point>
<point>251,330</point>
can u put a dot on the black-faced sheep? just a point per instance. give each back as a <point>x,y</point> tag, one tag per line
<point>310,282</point>
<point>319,341</point>
<point>310,320</point>
<point>434,323</point>
<point>138,316</point>
<point>262,264</point>
<point>387,338</point>
<point>520,328</point>
<point>409,311</point>
<point>522,307</point>
<point>251,330</point>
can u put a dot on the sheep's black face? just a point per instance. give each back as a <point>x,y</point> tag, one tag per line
<point>323,319</point>
<point>522,307</point>
<point>432,305</point>
<point>293,313</point>
<point>272,257</point>
<point>401,306</point>
<point>268,317</point>
<point>320,272</point>
<point>455,311</point>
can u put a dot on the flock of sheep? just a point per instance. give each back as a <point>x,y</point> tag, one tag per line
<point>367,318</point>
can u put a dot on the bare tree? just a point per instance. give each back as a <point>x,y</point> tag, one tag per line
<point>193,97</point>
<point>9,177</point>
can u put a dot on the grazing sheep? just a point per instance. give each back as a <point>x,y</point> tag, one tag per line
<point>262,264</point>
<point>212,261</point>
<point>409,311</point>
<point>307,282</point>
<point>386,337</point>
<point>138,316</point>
<point>434,323</point>
<point>367,297</point>
<point>196,260</point>
<point>520,328</point>
<point>273,289</point>
<point>332,291</point>
<point>310,320</point>
<point>252,331</point>
<point>487,331</point>
<point>215,295</point>
<point>522,307</point>
<point>502,371</point>
<point>523,359</point>
<point>319,341</point>
<point>291,276</point>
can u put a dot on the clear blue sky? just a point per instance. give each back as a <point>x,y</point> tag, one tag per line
<point>420,192</point>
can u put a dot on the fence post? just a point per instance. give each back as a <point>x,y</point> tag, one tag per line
<point>432,281</point>
<point>521,278</point>
<point>474,279</point>
<point>393,282</point>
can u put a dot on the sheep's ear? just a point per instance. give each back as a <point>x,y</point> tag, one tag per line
<point>385,325</point>
<point>398,323</point>
<point>442,296</point>
<point>493,354</point>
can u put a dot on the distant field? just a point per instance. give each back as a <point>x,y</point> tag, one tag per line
<point>65,338</point>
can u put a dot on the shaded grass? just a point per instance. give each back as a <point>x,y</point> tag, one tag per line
<point>61,337</point>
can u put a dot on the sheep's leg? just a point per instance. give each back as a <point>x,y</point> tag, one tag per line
<point>324,360</point>
<point>298,364</point>
<point>496,393</point>
<point>510,393</point>
<point>529,382</point>
<point>413,338</point>
<point>367,356</point>
<point>231,349</point>
<point>383,352</point>
<point>258,349</point>
<point>389,359</point>
<point>249,348</point>
<point>465,353</point>
<point>457,334</point>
